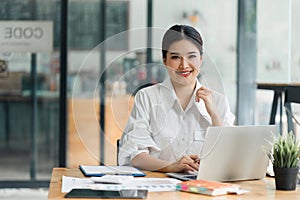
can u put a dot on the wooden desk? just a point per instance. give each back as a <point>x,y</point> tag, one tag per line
<point>259,189</point>
<point>279,89</point>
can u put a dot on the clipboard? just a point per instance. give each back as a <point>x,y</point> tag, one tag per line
<point>102,170</point>
<point>120,194</point>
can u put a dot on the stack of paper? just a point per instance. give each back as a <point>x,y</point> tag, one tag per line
<point>150,184</point>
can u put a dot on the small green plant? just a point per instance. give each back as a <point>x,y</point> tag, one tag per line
<point>285,151</point>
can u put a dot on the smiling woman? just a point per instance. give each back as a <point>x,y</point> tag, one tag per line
<point>167,126</point>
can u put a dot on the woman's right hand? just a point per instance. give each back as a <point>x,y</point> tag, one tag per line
<point>188,163</point>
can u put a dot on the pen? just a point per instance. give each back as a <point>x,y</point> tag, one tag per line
<point>119,173</point>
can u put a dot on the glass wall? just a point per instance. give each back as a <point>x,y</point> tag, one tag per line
<point>278,61</point>
<point>120,59</point>
<point>29,90</point>
<point>278,58</point>
<point>128,64</point>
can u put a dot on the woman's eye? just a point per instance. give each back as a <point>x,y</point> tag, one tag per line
<point>192,56</point>
<point>175,57</point>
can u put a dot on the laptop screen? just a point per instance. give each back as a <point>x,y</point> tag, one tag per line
<point>235,153</point>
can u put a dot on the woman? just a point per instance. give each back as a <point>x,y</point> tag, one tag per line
<point>167,125</point>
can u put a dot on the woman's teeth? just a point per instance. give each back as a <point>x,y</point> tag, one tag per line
<point>185,74</point>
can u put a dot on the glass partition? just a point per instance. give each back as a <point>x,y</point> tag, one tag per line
<point>277,55</point>
<point>118,58</point>
<point>29,91</point>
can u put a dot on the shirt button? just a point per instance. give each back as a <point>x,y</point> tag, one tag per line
<point>182,139</point>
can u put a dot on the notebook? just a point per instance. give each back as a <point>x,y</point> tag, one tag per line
<point>233,153</point>
<point>211,188</point>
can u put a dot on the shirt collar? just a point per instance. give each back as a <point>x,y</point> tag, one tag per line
<point>167,93</point>
<point>168,85</point>
<point>168,98</point>
<point>193,98</point>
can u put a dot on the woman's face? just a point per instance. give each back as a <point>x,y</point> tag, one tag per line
<point>183,61</point>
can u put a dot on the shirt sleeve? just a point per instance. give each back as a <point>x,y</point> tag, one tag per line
<point>224,109</point>
<point>137,138</point>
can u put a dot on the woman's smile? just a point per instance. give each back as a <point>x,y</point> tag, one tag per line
<point>184,73</point>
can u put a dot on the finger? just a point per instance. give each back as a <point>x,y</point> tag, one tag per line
<point>203,93</point>
<point>200,95</point>
<point>192,167</point>
<point>204,90</point>
<point>191,158</point>
<point>194,157</point>
<point>189,168</point>
<point>195,166</point>
<point>193,172</point>
<point>198,98</point>
<point>186,160</point>
<point>192,164</point>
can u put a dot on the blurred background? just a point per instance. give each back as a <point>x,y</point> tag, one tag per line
<point>68,104</point>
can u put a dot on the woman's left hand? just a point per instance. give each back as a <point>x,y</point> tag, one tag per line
<point>205,94</point>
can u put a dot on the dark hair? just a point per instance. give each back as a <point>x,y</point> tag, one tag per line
<point>179,32</point>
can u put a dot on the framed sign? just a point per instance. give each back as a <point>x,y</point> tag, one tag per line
<point>83,20</point>
<point>26,36</point>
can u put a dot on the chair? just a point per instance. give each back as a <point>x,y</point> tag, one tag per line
<point>141,87</point>
<point>118,149</point>
<point>292,95</point>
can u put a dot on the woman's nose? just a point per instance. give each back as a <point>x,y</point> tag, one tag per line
<point>184,63</point>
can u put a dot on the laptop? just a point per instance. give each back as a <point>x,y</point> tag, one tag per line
<point>233,153</point>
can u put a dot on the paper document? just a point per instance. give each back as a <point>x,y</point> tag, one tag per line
<point>112,179</point>
<point>150,184</point>
<point>68,183</point>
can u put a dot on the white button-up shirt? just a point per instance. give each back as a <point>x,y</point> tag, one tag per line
<point>159,126</point>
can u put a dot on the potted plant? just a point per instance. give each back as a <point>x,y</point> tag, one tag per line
<point>285,157</point>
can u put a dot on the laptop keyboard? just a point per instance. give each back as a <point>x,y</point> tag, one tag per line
<point>182,176</point>
<point>190,177</point>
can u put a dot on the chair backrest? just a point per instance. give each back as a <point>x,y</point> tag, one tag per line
<point>141,87</point>
<point>292,94</point>
<point>118,149</point>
